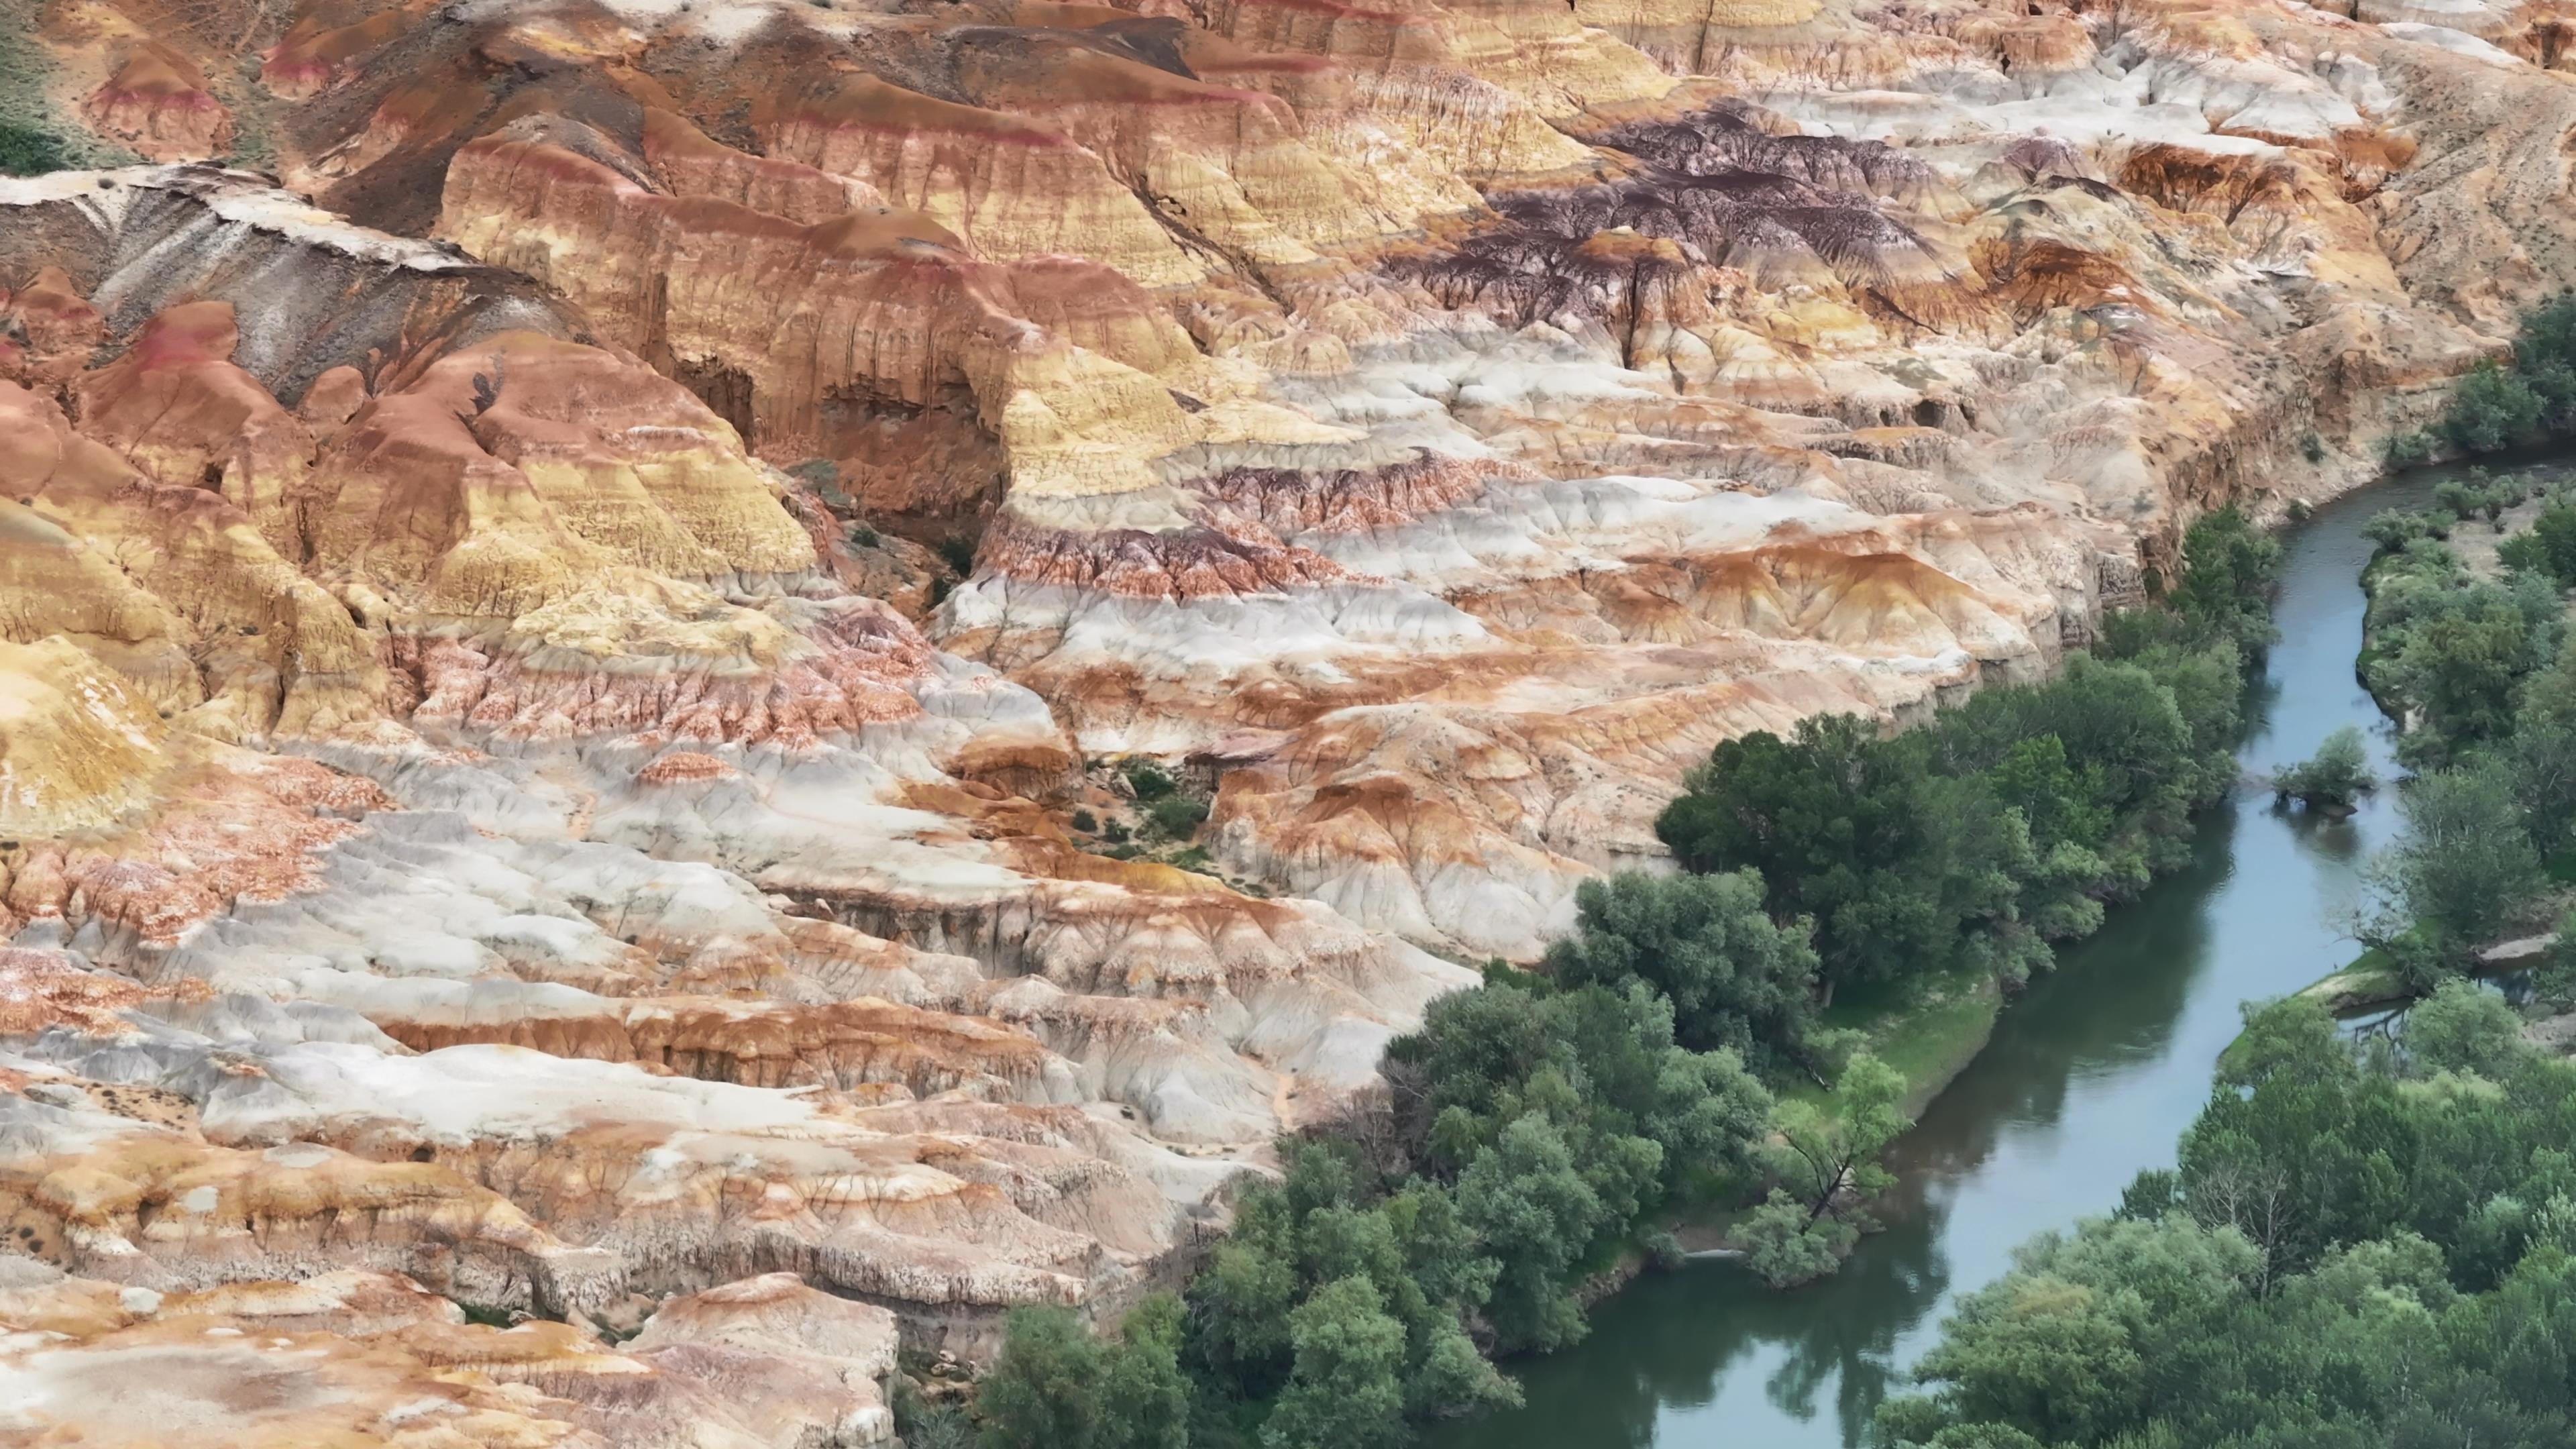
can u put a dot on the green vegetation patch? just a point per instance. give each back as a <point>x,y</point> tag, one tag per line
<point>2363,1242</point>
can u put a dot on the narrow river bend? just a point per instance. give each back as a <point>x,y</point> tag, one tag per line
<point>2090,1077</point>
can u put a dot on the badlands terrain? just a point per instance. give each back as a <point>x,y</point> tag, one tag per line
<point>574,575</point>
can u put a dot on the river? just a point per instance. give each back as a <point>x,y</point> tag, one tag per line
<point>2091,1076</point>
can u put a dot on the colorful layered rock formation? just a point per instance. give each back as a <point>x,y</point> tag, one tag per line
<point>568,566</point>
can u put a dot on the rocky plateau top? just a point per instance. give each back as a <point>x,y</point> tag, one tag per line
<point>572,572</point>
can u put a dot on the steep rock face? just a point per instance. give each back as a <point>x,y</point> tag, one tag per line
<point>549,647</point>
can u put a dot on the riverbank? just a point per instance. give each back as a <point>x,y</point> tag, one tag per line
<point>2466,603</point>
<point>2065,1093</point>
<point>1929,1029</point>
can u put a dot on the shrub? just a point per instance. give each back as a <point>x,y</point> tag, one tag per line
<point>2491,409</point>
<point>1086,822</point>
<point>1665,1254</point>
<point>1176,816</point>
<point>1147,780</point>
<point>958,552</point>
<point>2405,450</point>
<point>29,151</point>
<point>2394,528</point>
<point>928,1425</point>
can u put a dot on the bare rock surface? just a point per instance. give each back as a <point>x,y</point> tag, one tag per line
<point>569,570</point>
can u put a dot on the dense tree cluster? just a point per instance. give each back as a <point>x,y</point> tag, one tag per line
<point>1536,1130</point>
<point>1560,1120</point>
<point>2476,672</point>
<point>2449,652</point>
<point>2003,824</point>
<point>1058,1385</point>
<point>2365,1242</point>
<point>1736,978</point>
<point>2363,1245</point>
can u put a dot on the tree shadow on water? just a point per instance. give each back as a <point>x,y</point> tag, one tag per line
<point>1667,1346</point>
<point>1893,1281</point>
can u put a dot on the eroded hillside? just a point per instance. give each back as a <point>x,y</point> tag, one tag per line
<point>505,780</point>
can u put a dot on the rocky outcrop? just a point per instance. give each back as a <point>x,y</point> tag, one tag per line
<point>558,638</point>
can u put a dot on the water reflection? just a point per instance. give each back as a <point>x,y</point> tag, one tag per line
<point>2090,1076</point>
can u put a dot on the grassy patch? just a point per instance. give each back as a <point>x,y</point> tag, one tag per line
<point>2370,980</point>
<point>1927,1027</point>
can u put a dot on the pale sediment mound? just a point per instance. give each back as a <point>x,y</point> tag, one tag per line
<point>548,662</point>
<point>372,1358</point>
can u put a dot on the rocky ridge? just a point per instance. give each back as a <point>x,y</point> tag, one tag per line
<point>564,565</point>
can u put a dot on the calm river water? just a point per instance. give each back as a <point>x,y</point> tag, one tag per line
<point>2090,1077</point>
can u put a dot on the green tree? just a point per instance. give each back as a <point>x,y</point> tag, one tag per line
<point>2464,871</point>
<point>1787,1245</point>
<point>2043,1355</point>
<point>1346,1391</point>
<point>1833,822</point>
<point>2230,569</point>
<point>2452,652</point>
<point>1736,979</point>
<point>1526,1196</point>
<point>1239,1303</point>
<point>2462,1028</point>
<point>2079,1341</point>
<point>1449,1379</point>
<point>2208,687</point>
<point>2491,409</point>
<point>2542,759</point>
<point>2061,804</point>
<point>1144,1396</point>
<point>1830,1157</point>
<point>1043,1390</point>
<point>2297,1149</point>
<point>2331,779</point>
